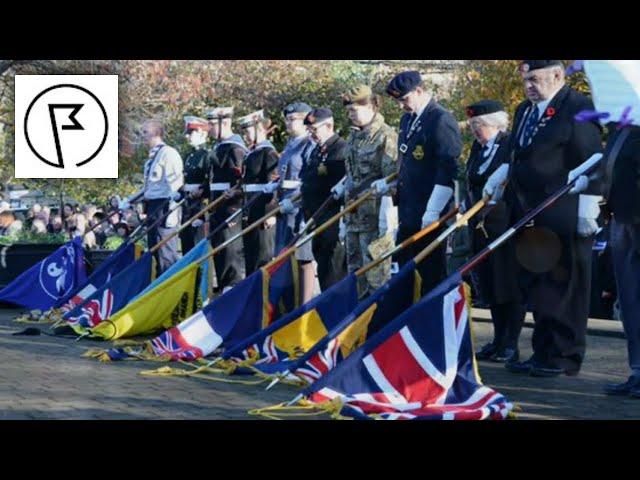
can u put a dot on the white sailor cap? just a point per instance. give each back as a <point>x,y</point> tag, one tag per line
<point>251,119</point>
<point>219,113</point>
<point>195,123</point>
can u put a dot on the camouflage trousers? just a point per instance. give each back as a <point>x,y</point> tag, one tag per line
<point>362,249</point>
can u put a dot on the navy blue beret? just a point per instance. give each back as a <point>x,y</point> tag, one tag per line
<point>404,83</point>
<point>318,115</point>
<point>484,107</point>
<point>297,107</point>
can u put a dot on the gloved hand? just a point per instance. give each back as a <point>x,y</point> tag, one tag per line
<point>176,197</point>
<point>270,222</point>
<point>197,223</point>
<point>342,231</point>
<point>286,206</point>
<point>270,187</point>
<point>380,187</point>
<point>581,184</point>
<point>583,180</point>
<point>437,202</point>
<point>588,211</point>
<point>493,188</point>
<point>338,190</point>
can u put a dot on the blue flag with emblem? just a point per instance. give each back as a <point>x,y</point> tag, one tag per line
<point>49,280</point>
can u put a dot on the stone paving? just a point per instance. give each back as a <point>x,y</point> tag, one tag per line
<point>45,377</point>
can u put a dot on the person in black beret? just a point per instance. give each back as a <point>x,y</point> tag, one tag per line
<point>429,146</point>
<point>497,280</point>
<point>546,144</point>
<point>324,168</point>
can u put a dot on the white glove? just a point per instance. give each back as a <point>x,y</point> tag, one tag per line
<point>437,201</point>
<point>386,221</point>
<point>197,223</point>
<point>380,187</point>
<point>286,206</point>
<point>342,231</point>
<point>581,184</point>
<point>493,186</point>
<point>270,222</point>
<point>338,190</point>
<point>176,197</point>
<point>588,211</point>
<point>270,187</point>
<point>395,268</point>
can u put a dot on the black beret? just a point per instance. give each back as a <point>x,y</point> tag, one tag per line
<point>528,65</point>
<point>404,83</point>
<point>318,115</point>
<point>484,107</point>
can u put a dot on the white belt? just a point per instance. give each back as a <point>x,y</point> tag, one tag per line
<point>192,187</point>
<point>254,187</point>
<point>291,184</point>
<point>218,187</point>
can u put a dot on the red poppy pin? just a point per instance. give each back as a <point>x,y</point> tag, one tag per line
<point>550,112</point>
<point>469,112</point>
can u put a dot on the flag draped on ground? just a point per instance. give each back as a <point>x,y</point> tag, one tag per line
<point>250,306</point>
<point>198,251</point>
<point>115,263</point>
<point>314,344</point>
<point>420,366</point>
<point>298,331</point>
<point>112,296</point>
<point>162,307</point>
<point>49,280</point>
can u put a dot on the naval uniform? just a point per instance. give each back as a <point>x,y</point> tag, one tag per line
<point>226,170</point>
<point>197,165</point>
<point>260,168</point>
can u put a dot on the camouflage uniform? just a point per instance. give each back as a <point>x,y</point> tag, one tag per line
<point>372,156</point>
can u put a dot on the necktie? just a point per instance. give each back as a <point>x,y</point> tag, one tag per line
<point>530,126</point>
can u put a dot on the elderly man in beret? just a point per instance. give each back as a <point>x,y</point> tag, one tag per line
<point>429,146</point>
<point>547,142</point>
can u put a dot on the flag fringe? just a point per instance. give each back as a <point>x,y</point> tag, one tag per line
<point>203,372</point>
<point>38,317</point>
<point>305,408</point>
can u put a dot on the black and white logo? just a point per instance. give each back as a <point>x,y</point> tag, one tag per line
<point>66,126</point>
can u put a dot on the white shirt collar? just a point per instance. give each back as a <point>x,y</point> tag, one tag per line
<point>492,140</point>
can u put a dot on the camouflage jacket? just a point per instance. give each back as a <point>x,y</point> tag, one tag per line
<point>372,155</point>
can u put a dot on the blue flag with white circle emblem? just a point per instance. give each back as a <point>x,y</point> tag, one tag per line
<point>49,280</point>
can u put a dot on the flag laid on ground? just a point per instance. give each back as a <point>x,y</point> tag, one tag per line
<point>49,280</point>
<point>298,331</point>
<point>242,311</point>
<point>115,263</point>
<point>198,251</point>
<point>420,366</point>
<point>323,349</point>
<point>112,296</point>
<point>166,305</point>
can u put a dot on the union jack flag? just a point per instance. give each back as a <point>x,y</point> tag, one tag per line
<point>420,366</point>
<point>94,311</point>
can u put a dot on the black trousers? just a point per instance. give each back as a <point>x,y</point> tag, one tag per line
<point>188,235</point>
<point>330,256</point>
<point>432,269</point>
<point>559,301</point>
<point>229,262</point>
<point>259,247</point>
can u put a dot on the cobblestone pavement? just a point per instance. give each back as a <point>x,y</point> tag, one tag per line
<point>44,377</point>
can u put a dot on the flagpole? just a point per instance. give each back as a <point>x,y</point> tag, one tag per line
<point>464,219</point>
<point>248,229</point>
<point>100,222</point>
<point>162,217</point>
<point>412,239</point>
<point>208,208</point>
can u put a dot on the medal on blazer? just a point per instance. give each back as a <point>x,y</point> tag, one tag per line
<point>418,152</point>
<point>322,169</point>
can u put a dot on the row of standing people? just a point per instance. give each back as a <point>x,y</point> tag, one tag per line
<point>546,144</point>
